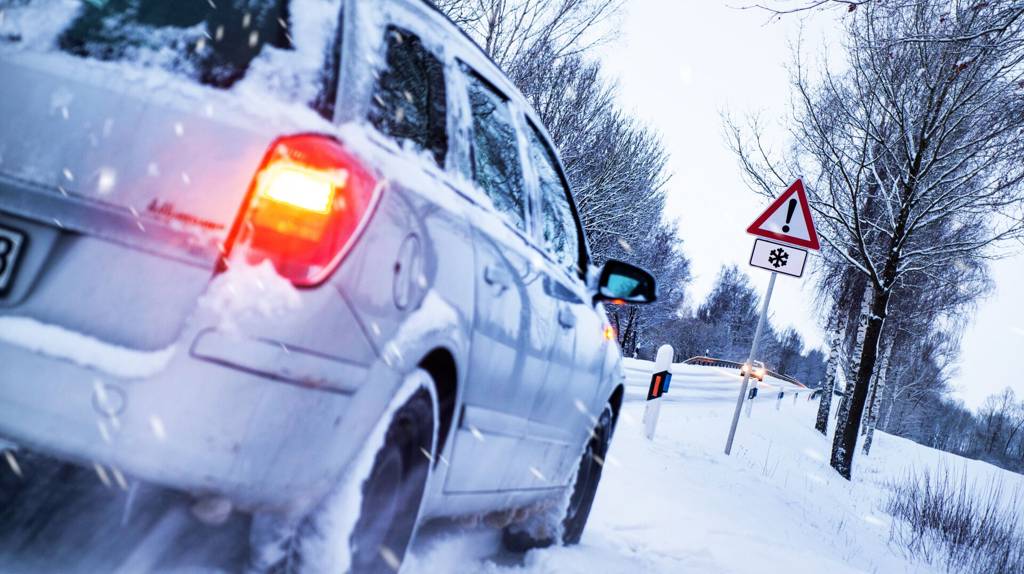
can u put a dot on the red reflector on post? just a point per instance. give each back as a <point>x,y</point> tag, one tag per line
<point>307,202</point>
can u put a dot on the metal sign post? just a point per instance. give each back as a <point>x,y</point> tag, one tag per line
<point>787,223</point>
<point>750,361</point>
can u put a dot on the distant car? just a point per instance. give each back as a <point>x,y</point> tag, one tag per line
<point>757,373</point>
<point>283,255</point>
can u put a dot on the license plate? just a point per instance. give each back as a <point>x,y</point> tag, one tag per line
<point>11,245</point>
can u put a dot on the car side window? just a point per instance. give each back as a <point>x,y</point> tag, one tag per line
<point>561,236</point>
<point>495,154</point>
<point>409,102</point>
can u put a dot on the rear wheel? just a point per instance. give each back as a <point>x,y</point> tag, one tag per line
<point>574,514</point>
<point>393,493</point>
<point>367,524</point>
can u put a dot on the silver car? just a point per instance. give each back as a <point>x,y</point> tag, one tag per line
<point>311,261</point>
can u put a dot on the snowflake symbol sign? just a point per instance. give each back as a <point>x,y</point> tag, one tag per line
<point>778,258</point>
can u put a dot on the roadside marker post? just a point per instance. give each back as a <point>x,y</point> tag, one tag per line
<point>787,223</point>
<point>660,379</point>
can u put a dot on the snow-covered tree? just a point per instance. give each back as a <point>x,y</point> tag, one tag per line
<point>790,347</point>
<point>912,155</point>
<point>731,308</point>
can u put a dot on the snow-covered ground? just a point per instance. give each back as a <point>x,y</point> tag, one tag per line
<point>674,504</point>
<point>678,504</point>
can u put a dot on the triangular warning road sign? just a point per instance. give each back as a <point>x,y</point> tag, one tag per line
<point>788,219</point>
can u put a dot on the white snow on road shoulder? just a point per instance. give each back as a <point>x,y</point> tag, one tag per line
<point>678,504</point>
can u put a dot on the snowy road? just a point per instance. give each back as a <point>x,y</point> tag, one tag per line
<point>677,504</point>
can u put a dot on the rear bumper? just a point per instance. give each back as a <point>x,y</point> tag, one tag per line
<point>198,426</point>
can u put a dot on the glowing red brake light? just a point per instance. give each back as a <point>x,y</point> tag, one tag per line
<point>299,186</point>
<point>306,204</point>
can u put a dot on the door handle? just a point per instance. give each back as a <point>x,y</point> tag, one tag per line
<point>566,318</point>
<point>497,277</point>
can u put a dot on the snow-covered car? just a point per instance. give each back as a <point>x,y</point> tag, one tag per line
<point>312,261</point>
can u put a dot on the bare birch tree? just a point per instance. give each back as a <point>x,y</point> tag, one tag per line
<point>834,330</point>
<point>1003,14</point>
<point>912,155</point>
<point>514,32</point>
<point>874,399</point>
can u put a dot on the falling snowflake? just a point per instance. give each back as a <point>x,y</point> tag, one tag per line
<point>157,426</point>
<point>778,258</point>
<point>106,180</point>
<point>13,463</point>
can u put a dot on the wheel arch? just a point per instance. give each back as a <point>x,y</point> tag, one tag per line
<point>440,365</point>
<point>615,400</point>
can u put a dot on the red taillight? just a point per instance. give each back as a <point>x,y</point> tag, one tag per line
<point>307,202</point>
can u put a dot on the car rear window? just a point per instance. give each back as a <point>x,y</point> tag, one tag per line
<point>288,47</point>
<point>212,42</point>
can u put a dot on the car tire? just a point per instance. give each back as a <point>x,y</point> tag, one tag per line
<point>576,510</point>
<point>389,496</point>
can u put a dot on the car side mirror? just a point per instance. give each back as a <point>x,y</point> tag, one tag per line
<point>621,283</point>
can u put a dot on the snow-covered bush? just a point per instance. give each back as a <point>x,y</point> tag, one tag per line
<point>958,524</point>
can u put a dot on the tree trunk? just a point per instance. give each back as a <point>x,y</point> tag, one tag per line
<point>631,333</point>
<point>994,436</point>
<point>850,375</point>
<point>626,333</point>
<point>876,400</point>
<point>888,415</point>
<point>825,406</point>
<point>844,445</point>
<point>875,389</point>
<point>1009,441</point>
<point>886,403</point>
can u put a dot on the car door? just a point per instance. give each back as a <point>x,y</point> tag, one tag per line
<point>577,351</point>
<point>512,320</point>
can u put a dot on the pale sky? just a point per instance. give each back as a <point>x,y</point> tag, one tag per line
<point>679,64</point>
